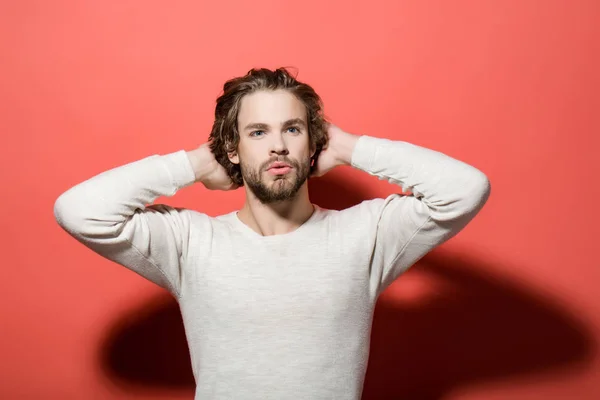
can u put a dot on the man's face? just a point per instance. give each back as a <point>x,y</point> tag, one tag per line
<point>273,128</point>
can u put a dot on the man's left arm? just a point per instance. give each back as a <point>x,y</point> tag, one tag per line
<point>446,195</point>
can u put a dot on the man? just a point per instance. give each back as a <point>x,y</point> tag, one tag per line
<point>277,298</point>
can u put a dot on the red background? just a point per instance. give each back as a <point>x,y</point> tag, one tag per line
<point>507,309</point>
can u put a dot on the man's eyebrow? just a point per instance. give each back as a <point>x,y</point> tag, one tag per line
<point>294,121</point>
<point>260,125</point>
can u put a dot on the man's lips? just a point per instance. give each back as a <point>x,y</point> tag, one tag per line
<point>279,168</point>
<point>279,164</point>
<point>280,171</point>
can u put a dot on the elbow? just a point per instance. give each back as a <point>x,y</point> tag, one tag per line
<point>64,213</point>
<point>478,192</point>
<point>78,218</point>
<point>483,187</point>
<point>70,214</point>
<point>464,202</point>
<point>60,209</point>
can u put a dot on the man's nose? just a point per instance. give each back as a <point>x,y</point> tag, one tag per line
<point>278,145</point>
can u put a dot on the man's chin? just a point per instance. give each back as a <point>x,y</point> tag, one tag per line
<point>279,179</point>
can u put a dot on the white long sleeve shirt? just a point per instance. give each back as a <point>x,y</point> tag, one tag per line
<point>285,316</point>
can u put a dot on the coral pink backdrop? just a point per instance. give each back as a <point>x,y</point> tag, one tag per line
<point>508,309</point>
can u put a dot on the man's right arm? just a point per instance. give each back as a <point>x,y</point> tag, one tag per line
<point>113,214</point>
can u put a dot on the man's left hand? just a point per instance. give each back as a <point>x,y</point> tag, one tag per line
<point>337,151</point>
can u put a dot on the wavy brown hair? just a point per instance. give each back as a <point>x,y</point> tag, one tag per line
<point>224,136</point>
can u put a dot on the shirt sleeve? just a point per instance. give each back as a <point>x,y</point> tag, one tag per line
<point>113,215</point>
<point>446,194</point>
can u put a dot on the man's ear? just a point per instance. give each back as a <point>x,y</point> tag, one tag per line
<point>313,150</point>
<point>234,157</point>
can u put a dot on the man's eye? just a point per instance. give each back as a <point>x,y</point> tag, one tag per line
<point>258,133</point>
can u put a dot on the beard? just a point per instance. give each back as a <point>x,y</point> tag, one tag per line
<point>273,188</point>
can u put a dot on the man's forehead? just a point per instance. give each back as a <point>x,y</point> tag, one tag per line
<point>271,108</point>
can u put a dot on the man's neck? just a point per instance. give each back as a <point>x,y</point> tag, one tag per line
<point>276,218</point>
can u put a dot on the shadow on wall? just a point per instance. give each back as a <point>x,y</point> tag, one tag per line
<point>468,327</point>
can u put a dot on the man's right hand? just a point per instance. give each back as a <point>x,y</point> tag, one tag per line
<point>208,171</point>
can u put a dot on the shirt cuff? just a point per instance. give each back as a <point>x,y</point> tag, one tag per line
<point>180,168</point>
